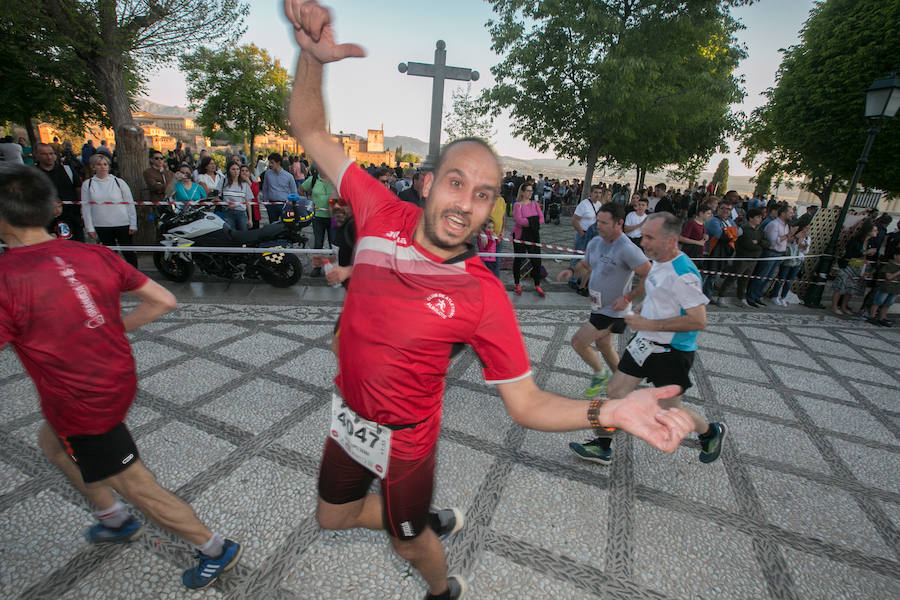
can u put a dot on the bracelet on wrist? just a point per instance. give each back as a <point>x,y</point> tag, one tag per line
<point>593,415</point>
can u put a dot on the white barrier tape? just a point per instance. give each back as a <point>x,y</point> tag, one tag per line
<point>229,250</point>
<point>735,275</point>
<point>696,260</point>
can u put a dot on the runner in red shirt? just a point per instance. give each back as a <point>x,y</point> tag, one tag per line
<point>59,308</point>
<point>418,290</point>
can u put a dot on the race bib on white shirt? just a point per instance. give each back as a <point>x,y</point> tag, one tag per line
<point>640,348</point>
<point>596,301</point>
<point>368,443</point>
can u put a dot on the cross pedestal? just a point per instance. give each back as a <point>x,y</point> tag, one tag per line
<point>439,72</point>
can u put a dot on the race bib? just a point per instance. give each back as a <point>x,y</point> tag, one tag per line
<point>366,442</point>
<point>596,302</point>
<point>639,349</point>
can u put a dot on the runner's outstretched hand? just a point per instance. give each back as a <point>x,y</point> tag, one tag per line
<point>640,414</point>
<point>314,33</point>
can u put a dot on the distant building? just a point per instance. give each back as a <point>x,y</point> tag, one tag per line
<point>180,129</point>
<point>370,150</point>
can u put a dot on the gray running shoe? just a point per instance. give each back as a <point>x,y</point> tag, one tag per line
<point>447,521</point>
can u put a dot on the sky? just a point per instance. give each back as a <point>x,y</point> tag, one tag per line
<point>362,94</point>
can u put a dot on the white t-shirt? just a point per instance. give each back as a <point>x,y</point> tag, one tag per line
<point>240,194</point>
<point>211,183</point>
<point>586,211</point>
<point>671,288</point>
<point>632,219</point>
<point>111,189</point>
<point>11,152</point>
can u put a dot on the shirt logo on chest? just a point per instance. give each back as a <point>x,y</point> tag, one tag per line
<point>441,304</point>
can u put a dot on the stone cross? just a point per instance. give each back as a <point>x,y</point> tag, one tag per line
<point>439,72</point>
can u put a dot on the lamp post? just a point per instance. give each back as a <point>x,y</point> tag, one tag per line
<point>882,101</point>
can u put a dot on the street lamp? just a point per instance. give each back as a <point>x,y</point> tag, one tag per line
<point>882,101</point>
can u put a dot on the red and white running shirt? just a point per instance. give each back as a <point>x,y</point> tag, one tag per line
<point>60,309</point>
<point>405,309</point>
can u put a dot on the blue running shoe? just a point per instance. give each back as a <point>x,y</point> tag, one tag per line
<point>711,448</point>
<point>592,451</point>
<point>127,531</point>
<point>210,568</point>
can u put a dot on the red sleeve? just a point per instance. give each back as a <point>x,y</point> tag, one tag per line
<point>364,193</point>
<point>129,277</point>
<point>7,333</point>
<point>497,339</point>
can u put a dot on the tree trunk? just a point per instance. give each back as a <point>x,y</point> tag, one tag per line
<point>593,153</point>
<point>32,136</point>
<point>251,158</point>
<point>131,156</point>
<point>824,194</point>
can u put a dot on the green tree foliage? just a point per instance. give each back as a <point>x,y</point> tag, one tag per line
<point>720,177</point>
<point>112,43</point>
<point>42,81</point>
<point>763,181</point>
<point>239,90</point>
<point>466,118</point>
<point>627,83</point>
<point>812,125</point>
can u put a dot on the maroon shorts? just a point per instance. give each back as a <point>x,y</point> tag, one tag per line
<point>405,492</point>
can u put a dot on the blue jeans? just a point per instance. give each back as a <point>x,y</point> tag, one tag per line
<point>274,211</point>
<point>493,266</point>
<point>766,271</point>
<point>883,298</point>
<point>321,228</point>
<point>235,217</point>
<point>789,274</point>
<point>580,244</point>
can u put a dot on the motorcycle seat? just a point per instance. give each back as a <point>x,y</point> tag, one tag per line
<point>272,231</point>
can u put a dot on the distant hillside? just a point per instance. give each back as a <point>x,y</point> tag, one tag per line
<point>410,144</point>
<point>163,110</point>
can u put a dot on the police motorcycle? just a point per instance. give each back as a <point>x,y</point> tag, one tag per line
<point>199,227</point>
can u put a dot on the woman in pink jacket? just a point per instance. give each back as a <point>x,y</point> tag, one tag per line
<point>528,218</point>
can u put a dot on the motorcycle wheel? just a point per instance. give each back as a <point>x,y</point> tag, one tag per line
<point>283,274</point>
<point>173,268</point>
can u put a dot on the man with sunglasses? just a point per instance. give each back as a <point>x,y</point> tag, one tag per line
<point>159,180</point>
<point>419,290</point>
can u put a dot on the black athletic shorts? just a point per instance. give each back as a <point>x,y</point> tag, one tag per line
<point>104,455</point>
<point>405,493</point>
<point>601,322</point>
<point>662,368</point>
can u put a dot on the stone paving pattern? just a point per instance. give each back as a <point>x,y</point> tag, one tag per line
<point>232,413</point>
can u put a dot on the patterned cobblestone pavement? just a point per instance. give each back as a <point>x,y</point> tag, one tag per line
<point>232,413</point>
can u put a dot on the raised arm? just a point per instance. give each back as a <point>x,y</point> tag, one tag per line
<point>313,32</point>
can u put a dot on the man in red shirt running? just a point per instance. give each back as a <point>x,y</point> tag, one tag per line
<point>418,291</point>
<point>60,310</point>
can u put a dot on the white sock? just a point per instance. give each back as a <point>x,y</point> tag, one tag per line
<point>114,516</point>
<point>213,546</point>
